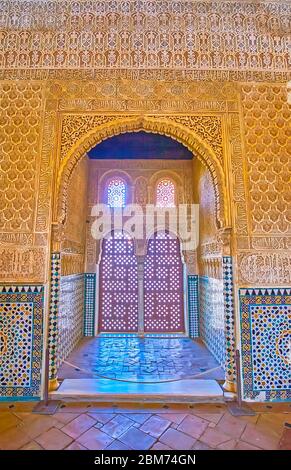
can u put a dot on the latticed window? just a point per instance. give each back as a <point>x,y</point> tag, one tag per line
<point>116,192</point>
<point>118,284</point>
<point>165,196</point>
<point>163,285</point>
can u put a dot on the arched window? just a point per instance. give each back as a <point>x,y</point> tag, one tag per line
<point>165,195</point>
<point>116,192</point>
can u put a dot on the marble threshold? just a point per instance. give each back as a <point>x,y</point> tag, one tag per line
<point>104,390</point>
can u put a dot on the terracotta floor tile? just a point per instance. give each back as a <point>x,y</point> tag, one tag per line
<point>155,425</point>
<point>136,439</point>
<point>139,417</point>
<point>260,436</point>
<point>285,441</point>
<point>78,426</point>
<point>117,426</point>
<point>66,418</point>
<point>160,446</point>
<point>94,439</point>
<point>201,446</point>
<point>32,446</point>
<point>34,425</point>
<point>13,439</point>
<point>117,445</point>
<point>245,446</point>
<point>75,446</point>
<point>21,407</point>
<point>177,440</point>
<point>176,418</point>
<point>54,439</point>
<point>214,417</point>
<point>275,421</point>
<point>228,445</point>
<point>101,417</point>
<point>7,420</point>
<point>213,437</point>
<point>231,425</point>
<point>193,425</point>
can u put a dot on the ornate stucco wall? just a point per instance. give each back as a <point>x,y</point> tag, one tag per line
<point>218,69</point>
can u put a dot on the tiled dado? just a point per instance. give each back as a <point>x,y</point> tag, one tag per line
<point>193,305</point>
<point>265,343</point>
<point>21,314</point>
<point>71,314</point>
<point>211,316</point>
<point>53,313</point>
<point>89,304</point>
<point>229,315</point>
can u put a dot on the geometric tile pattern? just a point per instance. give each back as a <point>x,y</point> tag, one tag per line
<point>21,313</point>
<point>265,336</point>
<point>89,304</point>
<point>211,316</point>
<point>229,327</point>
<point>193,306</point>
<point>53,313</point>
<point>70,315</point>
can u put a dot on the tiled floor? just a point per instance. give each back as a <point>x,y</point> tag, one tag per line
<point>88,426</point>
<point>128,357</point>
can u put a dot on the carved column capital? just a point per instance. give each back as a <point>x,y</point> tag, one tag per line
<point>58,236</point>
<point>224,238</point>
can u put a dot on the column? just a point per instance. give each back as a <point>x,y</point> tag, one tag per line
<point>229,325</point>
<point>140,279</point>
<point>229,313</point>
<point>53,319</point>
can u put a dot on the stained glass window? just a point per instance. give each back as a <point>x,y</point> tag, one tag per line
<point>116,193</point>
<point>165,193</point>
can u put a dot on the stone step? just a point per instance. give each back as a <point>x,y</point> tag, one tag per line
<point>105,390</point>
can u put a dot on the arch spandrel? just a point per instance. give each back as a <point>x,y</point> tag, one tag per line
<point>154,124</point>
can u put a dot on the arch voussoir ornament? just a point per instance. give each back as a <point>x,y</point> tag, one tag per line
<point>97,128</point>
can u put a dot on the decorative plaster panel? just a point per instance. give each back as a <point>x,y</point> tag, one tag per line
<point>137,34</point>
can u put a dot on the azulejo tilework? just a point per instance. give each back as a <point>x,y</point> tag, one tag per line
<point>89,304</point>
<point>229,326</point>
<point>211,315</point>
<point>21,311</point>
<point>53,314</point>
<point>193,306</point>
<point>70,315</point>
<point>266,333</point>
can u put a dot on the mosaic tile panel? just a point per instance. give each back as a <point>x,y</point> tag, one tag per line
<point>53,313</point>
<point>229,318</point>
<point>70,317</point>
<point>211,315</point>
<point>21,313</point>
<point>265,336</point>
<point>89,304</point>
<point>193,306</point>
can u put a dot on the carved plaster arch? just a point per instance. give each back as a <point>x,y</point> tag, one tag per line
<point>154,124</point>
